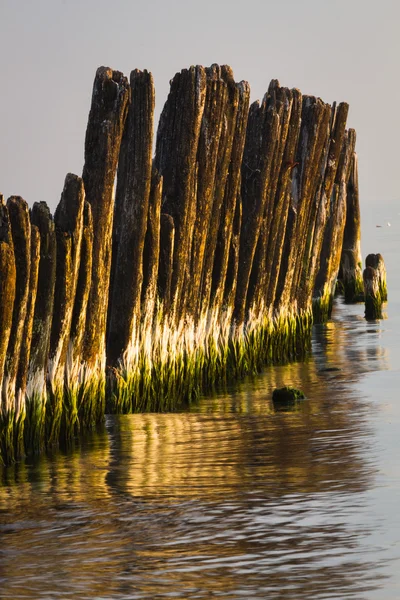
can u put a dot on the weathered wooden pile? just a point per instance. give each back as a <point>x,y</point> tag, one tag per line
<point>203,262</point>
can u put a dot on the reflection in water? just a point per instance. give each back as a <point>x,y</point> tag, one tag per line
<point>230,499</point>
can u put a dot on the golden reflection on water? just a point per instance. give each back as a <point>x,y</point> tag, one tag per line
<point>231,498</point>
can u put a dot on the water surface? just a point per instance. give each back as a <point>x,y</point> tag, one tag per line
<point>231,499</point>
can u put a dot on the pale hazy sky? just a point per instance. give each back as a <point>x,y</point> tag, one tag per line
<point>339,50</point>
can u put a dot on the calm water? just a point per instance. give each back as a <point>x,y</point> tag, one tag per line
<point>232,499</point>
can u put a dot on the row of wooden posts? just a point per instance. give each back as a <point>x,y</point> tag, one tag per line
<point>205,261</point>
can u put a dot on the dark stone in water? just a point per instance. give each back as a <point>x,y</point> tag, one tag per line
<point>287,396</point>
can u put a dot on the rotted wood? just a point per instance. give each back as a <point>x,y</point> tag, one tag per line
<point>322,204</point>
<point>376,262</point>
<point>260,147</point>
<point>375,289</point>
<point>176,150</point>
<point>110,100</point>
<point>311,154</point>
<point>332,244</point>
<point>276,243</point>
<point>130,216</point>
<point>351,260</point>
<point>281,101</point>
<point>207,154</point>
<point>151,251</point>
<point>68,220</point>
<point>167,242</point>
<point>83,286</point>
<point>221,174</point>
<point>21,233</point>
<point>42,320</point>
<point>7,285</point>
<point>231,206</point>
<point>233,260</point>
<point>33,277</point>
<point>315,116</point>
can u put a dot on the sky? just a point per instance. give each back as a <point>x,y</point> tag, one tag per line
<point>343,50</point>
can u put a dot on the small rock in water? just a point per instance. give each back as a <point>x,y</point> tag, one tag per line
<point>287,395</point>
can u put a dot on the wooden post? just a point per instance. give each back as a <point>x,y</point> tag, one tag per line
<point>40,344</point>
<point>176,150</point>
<point>333,238</point>
<point>110,99</point>
<point>351,261</point>
<point>374,277</point>
<point>130,218</point>
<point>7,283</point>
<point>68,220</point>
<point>21,233</point>
<point>228,234</point>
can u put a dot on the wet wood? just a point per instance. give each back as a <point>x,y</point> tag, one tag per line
<point>151,252</point>
<point>176,150</point>
<point>7,286</point>
<point>167,243</point>
<point>351,260</point>
<point>228,234</point>
<point>260,146</point>
<point>33,278</point>
<point>83,286</point>
<point>276,243</point>
<point>331,249</point>
<point>321,213</point>
<point>224,157</point>
<point>130,217</point>
<point>40,344</point>
<point>376,262</point>
<point>110,99</point>
<point>21,233</point>
<point>207,154</point>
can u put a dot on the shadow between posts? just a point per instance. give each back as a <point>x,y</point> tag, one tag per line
<point>205,264</point>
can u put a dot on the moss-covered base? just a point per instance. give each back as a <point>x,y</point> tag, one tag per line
<point>353,289</point>
<point>11,436</point>
<point>176,371</point>
<point>322,308</point>
<point>164,385</point>
<point>373,307</point>
<point>51,418</point>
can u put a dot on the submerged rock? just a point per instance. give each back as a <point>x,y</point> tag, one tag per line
<point>287,396</point>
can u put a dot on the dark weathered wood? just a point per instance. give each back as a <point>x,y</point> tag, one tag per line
<point>229,206</point>
<point>130,217</point>
<point>167,241</point>
<point>207,154</point>
<point>68,220</point>
<point>233,260</point>
<point>224,158</point>
<point>308,162</point>
<point>376,262</point>
<point>33,277</point>
<point>7,286</point>
<point>40,344</point>
<point>320,216</point>
<point>260,146</point>
<point>280,100</point>
<point>276,242</point>
<point>21,233</point>
<point>151,252</point>
<point>331,249</point>
<point>372,289</point>
<point>351,260</point>
<point>83,286</point>
<point>110,99</point>
<point>176,150</point>
<point>310,156</point>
